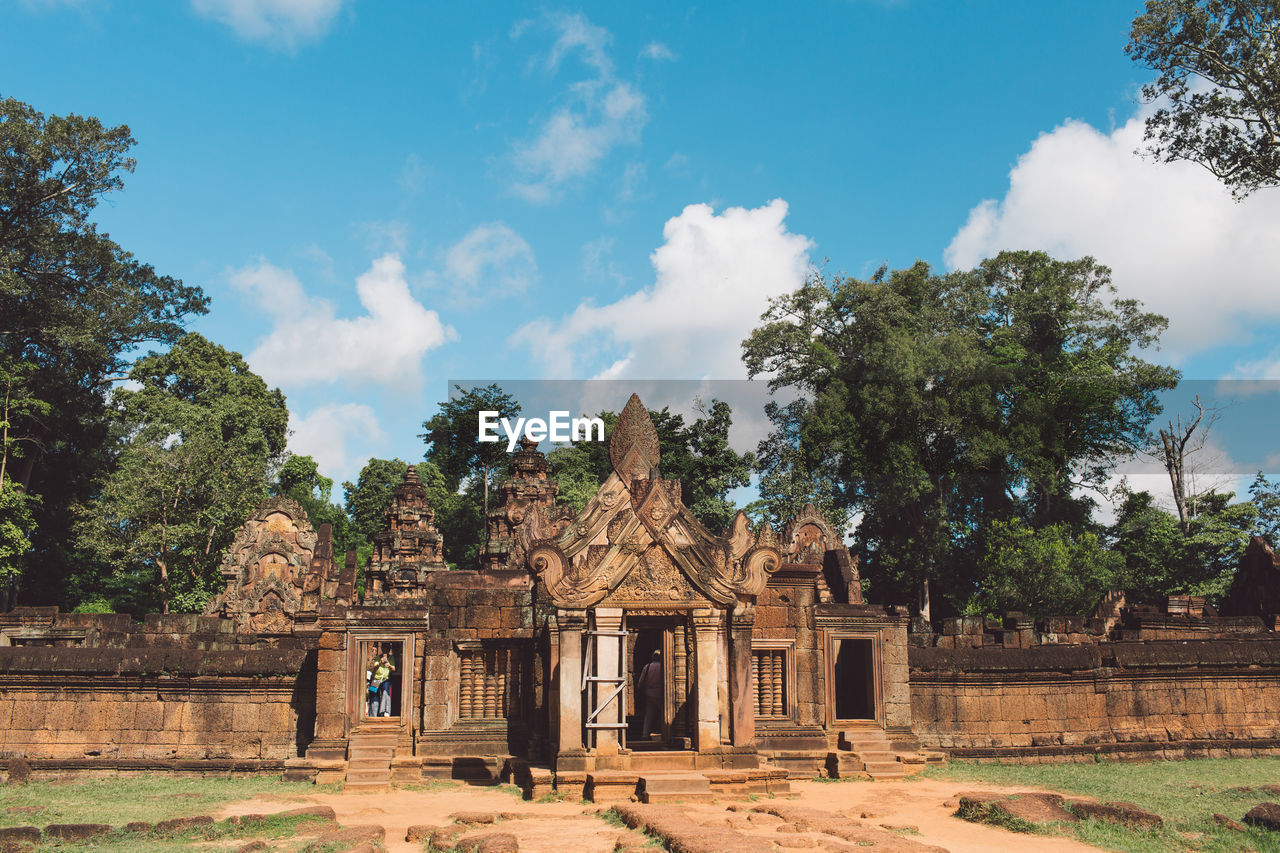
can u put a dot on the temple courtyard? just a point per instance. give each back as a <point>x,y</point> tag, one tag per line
<point>1197,805</point>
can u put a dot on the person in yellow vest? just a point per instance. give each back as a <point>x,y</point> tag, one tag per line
<point>382,677</point>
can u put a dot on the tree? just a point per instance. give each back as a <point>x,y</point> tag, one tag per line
<point>300,480</point>
<point>1163,557</point>
<point>1265,495</point>
<point>199,439</point>
<point>935,405</point>
<point>1052,571</point>
<point>789,479</point>
<point>74,309</point>
<point>1219,86</point>
<point>453,440</point>
<point>1181,441</point>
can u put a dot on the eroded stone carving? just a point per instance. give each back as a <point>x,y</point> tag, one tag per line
<point>268,567</point>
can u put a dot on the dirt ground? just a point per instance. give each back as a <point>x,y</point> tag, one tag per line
<point>927,806</point>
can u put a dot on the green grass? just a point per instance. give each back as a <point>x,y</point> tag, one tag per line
<point>1185,793</point>
<point>272,828</point>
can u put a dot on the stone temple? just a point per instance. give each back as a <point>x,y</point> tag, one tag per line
<point>524,668</point>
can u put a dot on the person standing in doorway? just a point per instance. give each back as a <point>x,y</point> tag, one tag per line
<point>382,676</point>
<point>649,687</point>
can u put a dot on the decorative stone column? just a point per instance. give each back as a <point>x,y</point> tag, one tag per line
<point>608,659</point>
<point>740,688</point>
<point>705,627</point>
<point>572,623</point>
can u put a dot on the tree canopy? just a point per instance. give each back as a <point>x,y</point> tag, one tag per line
<point>199,439</point>
<point>74,309</point>
<point>932,406</point>
<point>1218,89</point>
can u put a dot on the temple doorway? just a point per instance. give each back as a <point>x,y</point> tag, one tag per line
<point>853,677</point>
<point>651,666</point>
<point>380,699</point>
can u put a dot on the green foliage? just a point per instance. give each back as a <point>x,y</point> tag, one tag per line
<point>935,405</point>
<point>1047,571</point>
<point>1162,560</point>
<point>1231,126</point>
<point>17,524</point>
<point>788,480</point>
<point>74,308</point>
<point>97,604</point>
<point>1265,495</point>
<point>300,479</point>
<point>452,435</point>
<point>467,465</point>
<point>697,454</point>
<point>198,439</point>
<point>456,515</point>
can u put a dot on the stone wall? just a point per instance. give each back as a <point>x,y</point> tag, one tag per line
<point>1123,699</point>
<point>155,708</point>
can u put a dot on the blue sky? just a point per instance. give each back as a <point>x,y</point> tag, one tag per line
<point>382,196</point>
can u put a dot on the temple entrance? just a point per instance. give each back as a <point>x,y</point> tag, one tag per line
<point>381,697</point>
<point>853,677</point>
<point>654,650</point>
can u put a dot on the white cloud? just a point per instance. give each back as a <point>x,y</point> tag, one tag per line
<point>1172,235</point>
<point>309,343</point>
<point>492,253</point>
<point>281,23</point>
<point>714,276</point>
<point>601,113</point>
<point>658,52</point>
<point>325,433</point>
<point>577,34</point>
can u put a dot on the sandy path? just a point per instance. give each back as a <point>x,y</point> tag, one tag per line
<point>570,828</point>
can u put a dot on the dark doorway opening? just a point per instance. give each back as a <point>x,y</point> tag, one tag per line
<point>372,703</point>
<point>854,680</point>
<point>648,640</point>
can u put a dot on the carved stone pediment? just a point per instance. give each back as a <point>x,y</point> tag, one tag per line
<point>268,566</point>
<point>808,536</point>
<point>636,540</point>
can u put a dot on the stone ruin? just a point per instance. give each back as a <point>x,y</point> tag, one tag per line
<point>524,666</point>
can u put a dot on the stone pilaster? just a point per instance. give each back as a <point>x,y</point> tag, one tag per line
<point>741,700</point>
<point>706,624</point>
<point>572,623</point>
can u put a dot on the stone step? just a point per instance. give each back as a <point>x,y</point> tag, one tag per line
<point>692,783</point>
<point>360,750</point>
<point>379,776</point>
<point>675,787</point>
<point>661,760</point>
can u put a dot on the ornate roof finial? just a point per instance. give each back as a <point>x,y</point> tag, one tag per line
<point>633,448</point>
<point>411,475</point>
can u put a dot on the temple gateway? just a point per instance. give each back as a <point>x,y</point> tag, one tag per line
<point>769,664</point>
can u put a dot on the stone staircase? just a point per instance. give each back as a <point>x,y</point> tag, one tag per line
<point>369,754</point>
<point>867,751</point>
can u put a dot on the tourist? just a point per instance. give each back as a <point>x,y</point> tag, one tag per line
<point>382,676</point>
<point>371,691</point>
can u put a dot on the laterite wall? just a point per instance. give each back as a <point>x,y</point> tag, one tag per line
<point>1126,699</point>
